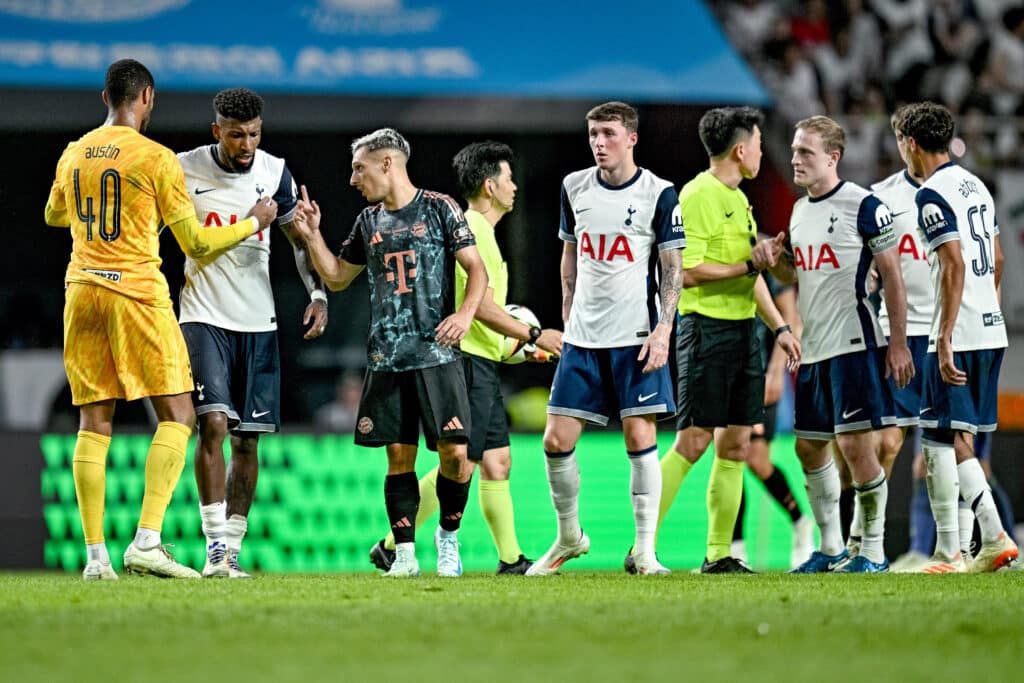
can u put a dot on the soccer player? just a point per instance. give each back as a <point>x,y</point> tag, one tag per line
<point>115,188</point>
<point>897,192</point>
<point>484,173</point>
<point>967,338</point>
<point>841,389</point>
<point>720,371</point>
<point>229,323</point>
<point>409,239</point>
<point>615,216</point>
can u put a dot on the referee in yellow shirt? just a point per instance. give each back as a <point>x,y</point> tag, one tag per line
<point>720,385</point>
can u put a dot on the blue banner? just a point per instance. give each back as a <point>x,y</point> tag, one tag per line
<point>646,50</point>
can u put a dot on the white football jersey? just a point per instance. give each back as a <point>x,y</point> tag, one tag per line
<point>898,192</point>
<point>955,205</point>
<point>615,230</point>
<point>833,240</point>
<point>232,291</point>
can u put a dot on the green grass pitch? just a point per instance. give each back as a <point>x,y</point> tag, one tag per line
<point>579,626</point>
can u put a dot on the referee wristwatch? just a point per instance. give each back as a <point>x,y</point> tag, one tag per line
<point>535,333</point>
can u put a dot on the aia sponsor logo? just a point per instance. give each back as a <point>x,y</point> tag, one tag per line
<point>811,257</point>
<point>607,247</point>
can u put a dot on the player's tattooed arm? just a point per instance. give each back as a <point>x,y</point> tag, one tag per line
<point>568,271</point>
<point>671,261</point>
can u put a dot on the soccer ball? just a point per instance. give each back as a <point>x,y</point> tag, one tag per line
<point>514,351</point>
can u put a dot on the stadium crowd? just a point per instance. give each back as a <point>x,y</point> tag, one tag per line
<point>857,60</point>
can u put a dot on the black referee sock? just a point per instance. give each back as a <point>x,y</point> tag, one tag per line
<point>846,499</point>
<point>737,530</point>
<point>402,499</point>
<point>452,497</point>
<point>779,488</point>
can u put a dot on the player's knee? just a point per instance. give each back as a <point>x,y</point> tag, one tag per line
<point>496,465</point>
<point>213,427</point>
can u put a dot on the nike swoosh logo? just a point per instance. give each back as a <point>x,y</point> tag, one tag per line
<point>923,411</point>
<point>198,191</point>
<point>832,566</point>
<point>643,398</point>
<point>848,415</point>
<point>260,414</point>
<point>579,211</point>
<point>900,213</point>
<point>728,214</point>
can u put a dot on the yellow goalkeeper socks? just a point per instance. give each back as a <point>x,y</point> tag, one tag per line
<point>164,463</point>
<point>89,468</point>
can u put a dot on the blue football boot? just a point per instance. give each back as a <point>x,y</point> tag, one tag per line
<point>820,563</point>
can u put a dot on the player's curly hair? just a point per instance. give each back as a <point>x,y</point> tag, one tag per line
<point>616,111</point>
<point>477,162</point>
<point>720,129</point>
<point>125,81</point>
<point>240,104</point>
<point>930,124</point>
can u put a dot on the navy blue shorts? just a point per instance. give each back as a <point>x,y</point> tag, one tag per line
<point>908,399</point>
<point>236,373</point>
<point>847,393</point>
<point>593,383</point>
<point>970,408</point>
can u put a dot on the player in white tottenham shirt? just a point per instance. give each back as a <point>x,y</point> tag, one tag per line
<point>841,392</point>
<point>229,323</point>
<point>967,338</point>
<point>615,216</point>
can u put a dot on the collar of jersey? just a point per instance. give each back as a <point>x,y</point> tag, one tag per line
<point>948,164</point>
<point>909,179</point>
<point>216,160</point>
<point>828,194</point>
<point>623,186</point>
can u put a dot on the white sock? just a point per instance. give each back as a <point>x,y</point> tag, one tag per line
<point>645,493</point>
<point>966,516</point>
<point>146,538</point>
<point>943,493</point>
<point>872,497</point>
<point>405,549</point>
<point>97,552</point>
<point>234,532</point>
<point>823,493</point>
<point>214,518</point>
<point>977,494</point>
<point>564,481</point>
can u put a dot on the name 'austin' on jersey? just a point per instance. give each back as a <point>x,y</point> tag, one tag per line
<point>614,228</point>
<point>833,240</point>
<point>232,291</point>
<point>410,260</point>
<point>955,205</point>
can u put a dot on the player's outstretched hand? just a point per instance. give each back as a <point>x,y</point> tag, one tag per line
<point>899,364</point>
<point>655,349</point>
<point>306,221</point>
<point>766,254</point>
<point>788,342</point>
<point>316,318</point>
<point>551,341</point>
<point>265,211</point>
<point>951,374</point>
<point>452,329</point>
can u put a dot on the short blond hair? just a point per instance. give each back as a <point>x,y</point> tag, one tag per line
<point>833,137</point>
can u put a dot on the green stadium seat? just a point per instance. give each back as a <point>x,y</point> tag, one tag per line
<point>66,487</point>
<point>72,556</point>
<point>124,521</point>
<point>57,450</point>
<point>56,521</point>
<point>119,456</point>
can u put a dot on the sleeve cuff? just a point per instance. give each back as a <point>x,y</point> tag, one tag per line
<point>318,295</point>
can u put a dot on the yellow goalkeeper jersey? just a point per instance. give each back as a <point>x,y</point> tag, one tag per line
<point>114,188</point>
